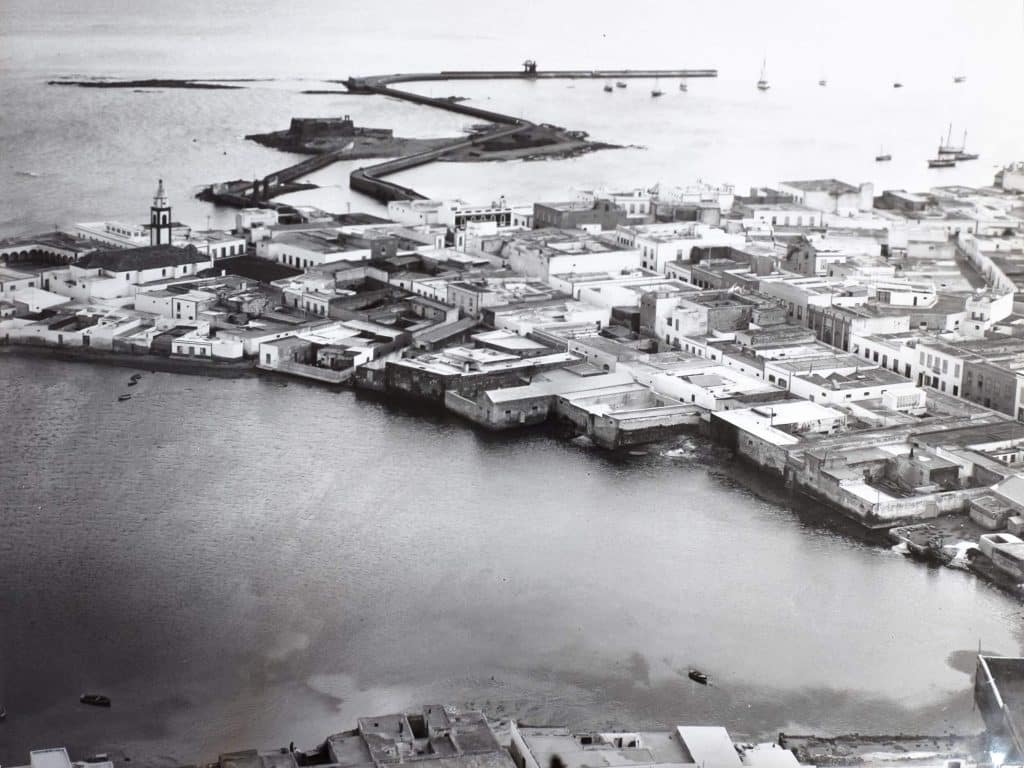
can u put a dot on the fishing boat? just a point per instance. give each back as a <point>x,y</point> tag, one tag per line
<point>94,700</point>
<point>136,376</point>
<point>963,154</point>
<point>620,84</point>
<point>762,84</point>
<point>656,91</point>
<point>122,398</point>
<point>947,147</point>
<point>608,88</point>
<point>941,162</point>
<point>683,86</point>
<point>698,677</point>
<point>133,382</point>
<point>882,156</point>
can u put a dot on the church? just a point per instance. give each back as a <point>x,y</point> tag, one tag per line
<point>162,229</point>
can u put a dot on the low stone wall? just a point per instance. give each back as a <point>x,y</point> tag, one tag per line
<point>325,375</point>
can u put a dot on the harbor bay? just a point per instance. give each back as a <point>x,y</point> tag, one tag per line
<point>309,477</point>
<point>311,543</point>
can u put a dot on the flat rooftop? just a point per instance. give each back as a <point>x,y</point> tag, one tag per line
<point>320,241</point>
<point>870,377</point>
<point>832,186</point>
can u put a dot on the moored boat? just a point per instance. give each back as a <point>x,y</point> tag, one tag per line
<point>823,82</point>
<point>947,147</point>
<point>608,88</point>
<point>698,677</point>
<point>941,162</point>
<point>963,154</point>
<point>656,91</point>
<point>122,398</point>
<point>897,84</point>
<point>683,86</point>
<point>882,156</point>
<point>762,83</point>
<point>94,700</point>
<point>620,84</point>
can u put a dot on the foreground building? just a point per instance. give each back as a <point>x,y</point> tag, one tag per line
<point>703,746</point>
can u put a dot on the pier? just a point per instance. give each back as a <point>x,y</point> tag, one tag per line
<point>370,180</point>
<point>528,72</point>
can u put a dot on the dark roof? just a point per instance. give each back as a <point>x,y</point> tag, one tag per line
<point>147,257</point>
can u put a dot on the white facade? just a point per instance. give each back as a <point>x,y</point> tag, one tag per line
<point>112,233</point>
<point>764,216</point>
<point>1013,177</point>
<point>830,196</point>
<point>12,281</point>
<point>199,343</point>
<point>294,254</point>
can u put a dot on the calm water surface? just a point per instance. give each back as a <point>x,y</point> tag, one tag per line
<point>236,562</point>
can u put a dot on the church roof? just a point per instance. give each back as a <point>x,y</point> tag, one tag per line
<point>146,257</point>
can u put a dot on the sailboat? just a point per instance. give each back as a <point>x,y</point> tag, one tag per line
<point>963,154</point>
<point>656,91</point>
<point>882,156</point>
<point>946,147</point>
<point>943,160</point>
<point>762,84</point>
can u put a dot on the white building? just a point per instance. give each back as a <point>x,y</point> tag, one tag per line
<point>1013,177</point>
<point>310,248</point>
<point>112,233</point>
<point>831,195</point>
<point>681,747</point>
<point>115,275</point>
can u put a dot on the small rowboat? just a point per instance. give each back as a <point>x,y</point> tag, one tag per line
<point>94,700</point>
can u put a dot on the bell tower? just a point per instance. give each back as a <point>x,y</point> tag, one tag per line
<point>160,218</point>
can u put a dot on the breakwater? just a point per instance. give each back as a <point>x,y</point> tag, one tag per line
<point>371,179</point>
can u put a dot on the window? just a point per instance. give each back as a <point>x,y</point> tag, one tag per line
<point>956,390</point>
<point>945,366</point>
<point>268,358</point>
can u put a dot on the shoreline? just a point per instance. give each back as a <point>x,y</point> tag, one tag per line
<point>209,85</point>
<point>761,484</point>
<point>126,360</point>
